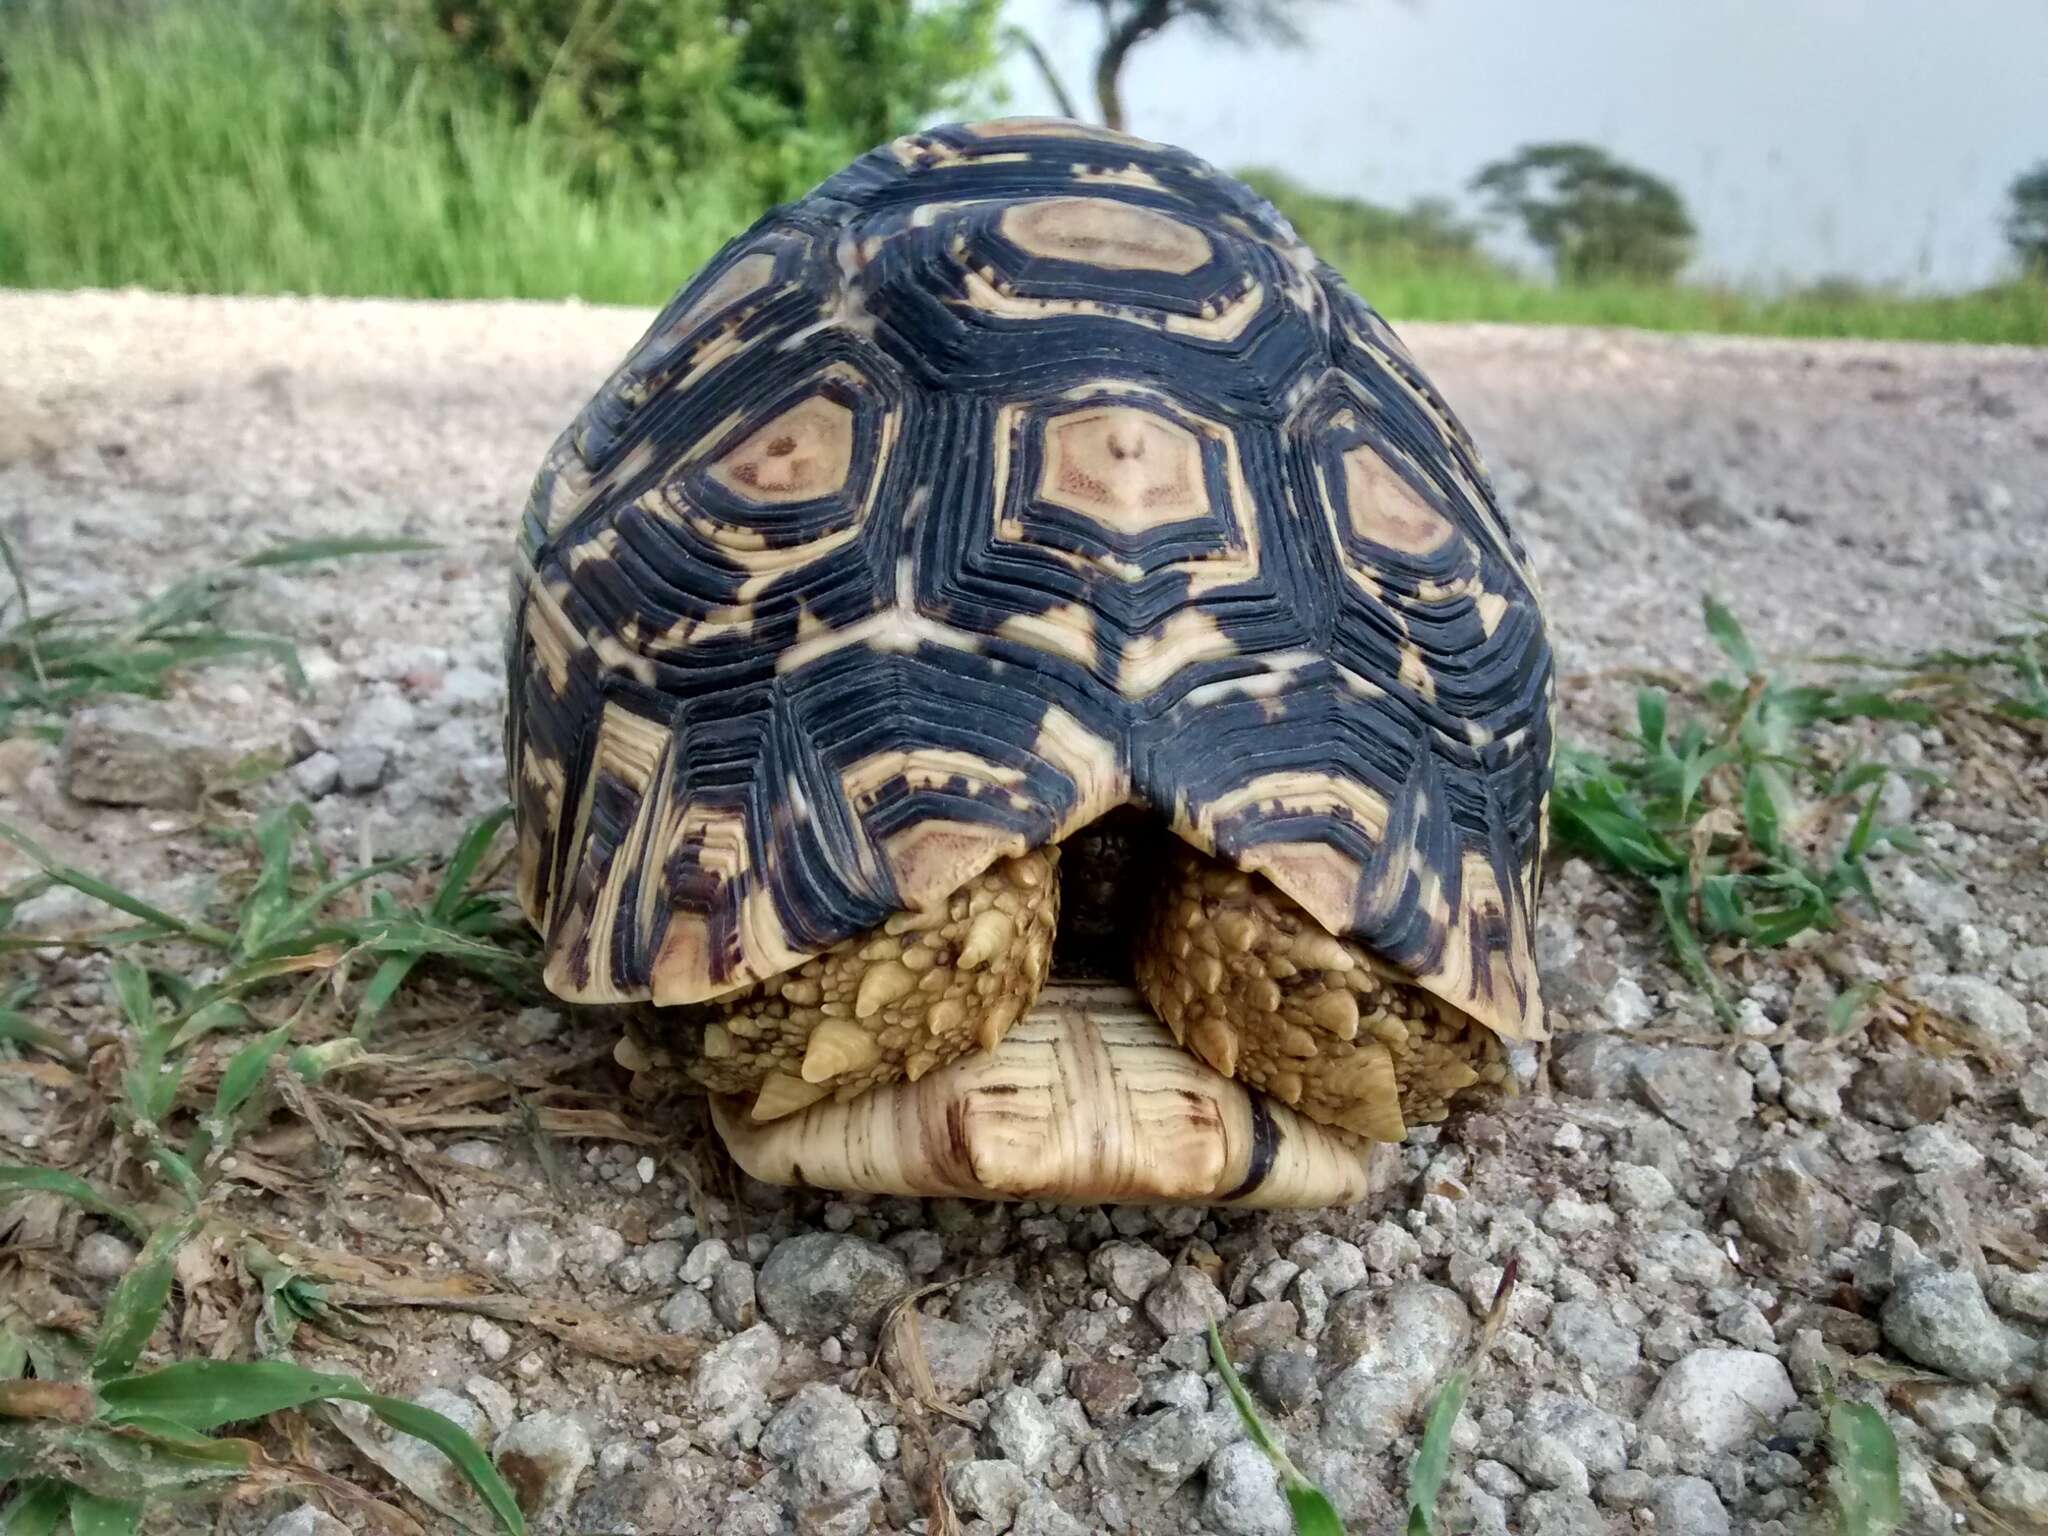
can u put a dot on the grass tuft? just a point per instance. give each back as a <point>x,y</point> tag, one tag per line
<point>52,663</point>
<point>1731,818</point>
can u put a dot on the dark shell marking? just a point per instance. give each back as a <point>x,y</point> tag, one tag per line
<point>1016,473</point>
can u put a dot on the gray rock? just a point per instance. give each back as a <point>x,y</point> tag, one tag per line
<point>1389,1249</point>
<point>822,1438</point>
<point>1243,1497</point>
<point>1902,1091</point>
<point>1586,1334</point>
<point>306,1520</point>
<point>922,1251</point>
<point>1262,1325</point>
<point>315,777</point>
<point>1783,1205</point>
<point>541,1457</point>
<point>1812,1080</point>
<point>687,1313</point>
<point>1337,1264</point>
<point>1022,1430</point>
<point>361,768</point>
<point>2021,1493</point>
<point>702,1261</point>
<point>533,1254</point>
<point>1700,1091</point>
<point>133,754</point>
<point>1186,1301</point>
<point>991,1489</point>
<point>1042,1516</point>
<point>2034,1091</point>
<point>494,1341</point>
<point>1746,1327</point>
<point>819,1282</point>
<point>1638,1187</point>
<point>1932,1210</point>
<point>1687,1254</point>
<point>1412,1335</point>
<point>1937,1149</point>
<point>1714,1400</point>
<point>1689,1506</point>
<point>1169,1445</point>
<point>1625,1490</point>
<point>103,1256</point>
<point>1176,1389</point>
<point>2020,1295</point>
<point>1594,1437</point>
<point>1549,1463</point>
<point>957,1356</point>
<point>1557,1512</point>
<point>732,1295</point>
<point>999,1309</point>
<point>1939,1318</point>
<point>1311,1303</point>
<point>1998,1013</point>
<point>733,1377</point>
<point>1283,1379</point>
<point>1127,1270</point>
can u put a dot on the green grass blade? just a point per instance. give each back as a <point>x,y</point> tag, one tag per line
<point>198,1395</point>
<point>1433,1456</point>
<point>1314,1514</point>
<point>36,1510</point>
<point>258,921</point>
<point>55,1182</point>
<point>306,551</point>
<point>1728,634</point>
<point>1760,808</point>
<point>138,1301</point>
<point>447,1437</point>
<point>89,884</point>
<point>1865,1471</point>
<point>469,853</point>
<point>92,1515</point>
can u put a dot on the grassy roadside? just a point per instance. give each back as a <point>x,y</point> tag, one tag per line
<point>205,155</point>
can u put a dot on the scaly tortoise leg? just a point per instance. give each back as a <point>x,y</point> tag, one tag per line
<point>1260,991</point>
<point>914,994</point>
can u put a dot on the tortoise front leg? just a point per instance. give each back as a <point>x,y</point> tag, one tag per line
<point>1260,991</point>
<point>921,990</point>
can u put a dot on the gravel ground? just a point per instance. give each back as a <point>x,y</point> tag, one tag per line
<point>1712,1227</point>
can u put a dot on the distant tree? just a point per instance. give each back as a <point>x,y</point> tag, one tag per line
<point>1127,23</point>
<point>1593,215</point>
<point>2026,223</point>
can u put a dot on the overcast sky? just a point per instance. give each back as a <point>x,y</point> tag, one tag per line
<point>1869,138</point>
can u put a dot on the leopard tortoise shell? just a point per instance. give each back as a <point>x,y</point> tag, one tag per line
<point>1021,651</point>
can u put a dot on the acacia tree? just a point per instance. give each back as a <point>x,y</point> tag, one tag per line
<point>1594,216</point>
<point>2026,222</point>
<point>1127,23</point>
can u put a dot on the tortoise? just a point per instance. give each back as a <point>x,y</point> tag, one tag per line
<point>1027,677</point>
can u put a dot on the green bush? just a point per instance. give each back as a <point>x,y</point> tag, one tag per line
<point>238,146</point>
<point>780,92</point>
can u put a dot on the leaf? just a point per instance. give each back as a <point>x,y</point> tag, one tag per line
<point>244,1071</point>
<point>131,990</point>
<point>92,885</point>
<point>205,1394</point>
<point>92,1515</point>
<point>448,1437</point>
<point>1865,1470</point>
<point>1650,704</point>
<point>267,901</point>
<point>1314,1515</point>
<point>72,1188</point>
<point>1847,1006</point>
<point>138,1301</point>
<point>469,853</point>
<point>304,551</point>
<point>1727,633</point>
<point>1760,808</point>
<point>36,1510</point>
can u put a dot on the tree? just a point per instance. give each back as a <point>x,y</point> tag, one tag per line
<point>782,91</point>
<point>1127,23</point>
<point>2026,223</point>
<point>1594,216</point>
